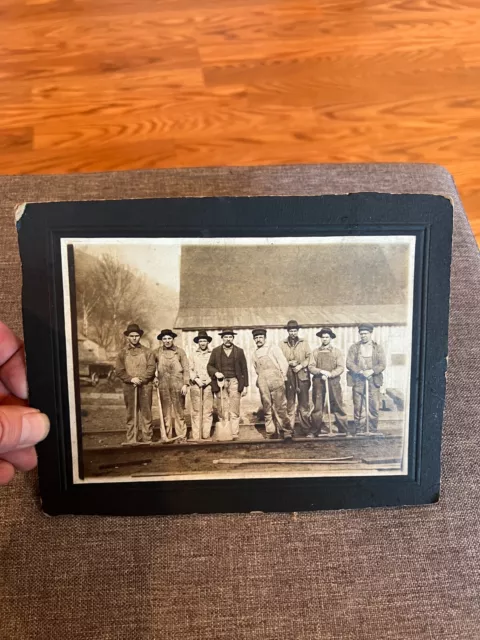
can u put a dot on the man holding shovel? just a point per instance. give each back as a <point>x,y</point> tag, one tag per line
<point>135,366</point>
<point>326,366</point>
<point>271,366</point>
<point>228,365</point>
<point>366,363</point>
<point>201,389</point>
<point>297,352</point>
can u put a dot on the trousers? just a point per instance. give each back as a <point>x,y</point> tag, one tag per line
<point>336,405</point>
<point>201,426</point>
<point>230,398</point>
<point>275,409</point>
<point>359,402</point>
<point>173,405</point>
<point>144,429</point>
<point>298,390</point>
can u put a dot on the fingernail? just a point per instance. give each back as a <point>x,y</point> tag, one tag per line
<point>35,427</point>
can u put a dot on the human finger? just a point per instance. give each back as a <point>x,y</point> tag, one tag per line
<point>22,459</point>
<point>12,362</point>
<point>21,427</point>
<point>7,471</point>
<point>13,374</point>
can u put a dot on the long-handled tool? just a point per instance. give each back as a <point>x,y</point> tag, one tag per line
<point>346,459</point>
<point>135,412</point>
<point>224,431</point>
<point>200,430</point>
<point>163,433</point>
<point>367,407</point>
<point>327,397</point>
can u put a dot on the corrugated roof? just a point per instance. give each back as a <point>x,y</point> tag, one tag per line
<point>247,317</point>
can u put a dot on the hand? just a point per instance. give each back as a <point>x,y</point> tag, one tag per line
<point>184,389</point>
<point>324,377</point>
<point>21,426</point>
<point>325,374</point>
<point>293,363</point>
<point>136,381</point>
<point>368,373</point>
<point>156,383</point>
<point>244,392</point>
<point>298,368</point>
<point>219,375</point>
<point>199,383</point>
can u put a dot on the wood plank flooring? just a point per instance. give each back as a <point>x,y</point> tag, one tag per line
<point>92,85</point>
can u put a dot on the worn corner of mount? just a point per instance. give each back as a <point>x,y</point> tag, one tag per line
<point>19,211</point>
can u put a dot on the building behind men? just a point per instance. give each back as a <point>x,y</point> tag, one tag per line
<point>318,286</point>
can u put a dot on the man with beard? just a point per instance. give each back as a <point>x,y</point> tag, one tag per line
<point>271,367</point>
<point>173,375</point>
<point>135,366</point>
<point>326,366</point>
<point>227,362</point>
<point>201,389</point>
<point>365,361</point>
<point>297,352</point>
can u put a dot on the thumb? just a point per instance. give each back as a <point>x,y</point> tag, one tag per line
<point>21,427</point>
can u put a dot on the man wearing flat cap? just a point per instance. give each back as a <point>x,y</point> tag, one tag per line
<point>365,361</point>
<point>227,362</point>
<point>201,388</point>
<point>326,366</point>
<point>135,366</point>
<point>271,367</point>
<point>173,373</point>
<point>297,352</point>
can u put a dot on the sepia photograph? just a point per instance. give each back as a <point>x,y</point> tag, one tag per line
<point>213,358</point>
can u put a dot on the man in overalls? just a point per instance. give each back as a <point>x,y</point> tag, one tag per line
<point>135,366</point>
<point>365,361</point>
<point>297,352</point>
<point>326,366</point>
<point>201,389</point>
<point>271,367</point>
<point>173,375</point>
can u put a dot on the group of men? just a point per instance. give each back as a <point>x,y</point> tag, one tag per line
<point>285,374</point>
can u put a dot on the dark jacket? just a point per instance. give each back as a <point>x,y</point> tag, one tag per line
<point>378,364</point>
<point>240,364</point>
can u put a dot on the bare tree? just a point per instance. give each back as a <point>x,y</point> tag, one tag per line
<point>111,295</point>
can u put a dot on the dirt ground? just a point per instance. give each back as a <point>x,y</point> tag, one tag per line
<point>193,459</point>
<point>103,429</point>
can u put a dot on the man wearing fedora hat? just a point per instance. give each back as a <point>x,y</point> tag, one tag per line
<point>201,388</point>
<point>135,366</point>
<point>297,352</point>
<point>271,367</point>
<point>365,361</point>
<point>326,366</point>
<point>227,362</point>
<point>173,373</point>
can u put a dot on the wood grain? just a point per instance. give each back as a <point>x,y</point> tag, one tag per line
<point>118,84</point>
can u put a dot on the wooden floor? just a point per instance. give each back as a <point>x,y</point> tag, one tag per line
<point>91,85</point>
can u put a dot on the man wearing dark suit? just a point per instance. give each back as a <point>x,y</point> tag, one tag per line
<point>365,361</point>
<point>228,363</point>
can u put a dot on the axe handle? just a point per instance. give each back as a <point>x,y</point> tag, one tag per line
<point>163,433</point>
